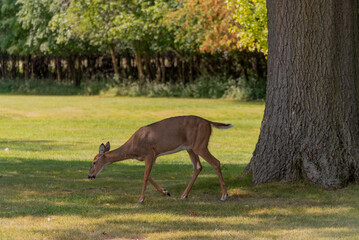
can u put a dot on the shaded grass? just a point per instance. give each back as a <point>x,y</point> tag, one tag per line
<point>44,192</point>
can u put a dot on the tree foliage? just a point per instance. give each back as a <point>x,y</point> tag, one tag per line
<point>202,25</point>
<point>252,18</point>
<point>166,39</point>
<point>34,17</point>
<point>12,35</point>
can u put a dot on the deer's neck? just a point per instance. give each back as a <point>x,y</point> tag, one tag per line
<point>119,154</point>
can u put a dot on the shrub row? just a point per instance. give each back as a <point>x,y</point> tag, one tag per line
<point>204,87</point>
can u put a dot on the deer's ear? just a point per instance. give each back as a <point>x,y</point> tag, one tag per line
<point>107,147</point>
<point>102,149</point>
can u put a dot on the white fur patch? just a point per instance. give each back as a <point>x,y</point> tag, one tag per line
<point>180,148</point>
<point>198,166</point>
<point>222,127</point>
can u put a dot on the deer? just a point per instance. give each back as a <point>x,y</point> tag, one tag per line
<point>171,135</point>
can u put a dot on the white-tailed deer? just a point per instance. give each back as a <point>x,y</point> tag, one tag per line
<point>168,136</point>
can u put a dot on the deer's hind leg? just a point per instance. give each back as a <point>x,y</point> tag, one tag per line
<point>197,167</point>
<point>206,155</point>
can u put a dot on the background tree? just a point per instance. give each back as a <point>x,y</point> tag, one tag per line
<point>140,26</point>
<point>203,26</point>
<point>12,38</point>
<point>251,16</point>
<point>126,24</point>
<point>203,40</point>
<point>167,41</point>
<point>91,22</point>
<point>310,126</point>
<point>41,39</point>
<point>33,16</point>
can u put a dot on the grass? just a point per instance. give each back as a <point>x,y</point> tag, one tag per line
<point>45,194</point>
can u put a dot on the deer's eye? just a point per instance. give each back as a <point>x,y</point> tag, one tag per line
<point>94,163</point>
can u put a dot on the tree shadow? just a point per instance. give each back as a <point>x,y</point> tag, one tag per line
<point>40,188</point>
<point>34,145</point>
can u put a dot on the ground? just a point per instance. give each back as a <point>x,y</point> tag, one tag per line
<point>47,144</point>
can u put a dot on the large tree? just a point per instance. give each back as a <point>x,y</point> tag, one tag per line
<point>310,126</point>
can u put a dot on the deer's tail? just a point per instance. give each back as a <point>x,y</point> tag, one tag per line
<point>220,125</point>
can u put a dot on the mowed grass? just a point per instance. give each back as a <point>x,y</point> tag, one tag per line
<point>45,193</point>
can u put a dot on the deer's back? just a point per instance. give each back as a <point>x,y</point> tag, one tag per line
<point>183,132</point>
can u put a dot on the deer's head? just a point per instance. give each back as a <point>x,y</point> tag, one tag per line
<point>99,161</point>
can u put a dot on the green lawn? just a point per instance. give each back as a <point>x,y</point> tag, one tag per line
<point>45,193</point>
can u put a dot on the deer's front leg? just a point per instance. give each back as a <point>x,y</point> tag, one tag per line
<point>148,167</point>
<point>161,190</point>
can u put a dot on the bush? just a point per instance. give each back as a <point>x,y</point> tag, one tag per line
<point>50,87</point>
<point>204,87</point>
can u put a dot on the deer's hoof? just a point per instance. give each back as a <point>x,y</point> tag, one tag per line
<point>224,197</point>
<point>165,192</point>
<point>184,196</point>
<point>140,201</point>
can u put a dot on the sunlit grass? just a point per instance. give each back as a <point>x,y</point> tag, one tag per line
<point>44,192</point>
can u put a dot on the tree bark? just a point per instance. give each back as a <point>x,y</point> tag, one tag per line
<point>32,66</point>
<point>171,64</point>
<point>4,64</point>
<point>78,71</point>
<point>26,66</point>
<point>58,69</point>
<point>158,68</point>
<point>45,62</point>
<point>181,70</point>
<point>148,65</point>
<point>128,58</point>
<point>13,66</point>
<point>114,60</point>
<point>190,71</point>
<point>310,126</point>
<point>163,69</point>
<point>73,72</point>
<point>139,65</point>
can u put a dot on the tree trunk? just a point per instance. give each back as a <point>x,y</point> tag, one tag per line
<point>163,69</point>
<point>114,61</point>
<point>44,67</point>
<point>78,71</point>
<point>310,126</point>
<point>139,65</point>
<point>4,64</point>
<point>91,62</point>
<point>171,64</point>
<point>32,66</point>
<point>72,73</point>
<point>190,72</point>
<point>158,68</point>
<point>244,61</point>
<point>58,69</point>
<point>181,70</point>
<point>26,67</point>
<point>123,67</point>
<point>128,65</point>
<point>13,66</point>
<point>149,71</point>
